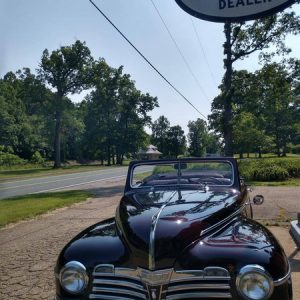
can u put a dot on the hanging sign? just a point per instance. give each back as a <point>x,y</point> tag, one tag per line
<point>232,10</point>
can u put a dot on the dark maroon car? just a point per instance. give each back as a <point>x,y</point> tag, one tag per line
<point>183,230</point>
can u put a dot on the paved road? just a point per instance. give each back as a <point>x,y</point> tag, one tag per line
<point>55,183</point>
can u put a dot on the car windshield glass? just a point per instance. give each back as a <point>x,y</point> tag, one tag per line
<point>217,173</point>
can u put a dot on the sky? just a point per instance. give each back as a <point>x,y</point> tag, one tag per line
<point>27,27</point>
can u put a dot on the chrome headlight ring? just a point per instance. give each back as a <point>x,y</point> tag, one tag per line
<point>73,277</point>
<point>254,283</point>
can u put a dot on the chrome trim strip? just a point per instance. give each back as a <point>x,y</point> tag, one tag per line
<point>107,297</point>
<point>204,295</point>
<point>184,279</point>
<point>154,222</point>
<point>107,266</point>
<point>187,275</point>
<point>197,286</point>
<point>119,283</point>
<point>119,292</point>
<point>283,279</point>
<point>223,221</point>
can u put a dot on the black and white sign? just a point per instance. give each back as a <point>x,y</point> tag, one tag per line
<point>232,10</point>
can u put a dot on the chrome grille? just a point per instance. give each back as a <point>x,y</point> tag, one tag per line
<point>210,283</point>
<point>112,283</point>
<point>198,289</point>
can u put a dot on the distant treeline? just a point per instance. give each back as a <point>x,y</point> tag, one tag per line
<point>39,122</point>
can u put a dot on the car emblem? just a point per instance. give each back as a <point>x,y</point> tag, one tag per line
<point>154,278</point>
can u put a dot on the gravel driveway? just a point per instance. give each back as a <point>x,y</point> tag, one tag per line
<point>29,249</point>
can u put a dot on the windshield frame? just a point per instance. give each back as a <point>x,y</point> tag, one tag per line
<point>133,165</point>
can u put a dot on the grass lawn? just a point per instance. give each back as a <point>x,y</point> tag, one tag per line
<point>47,171</point>
<point>290,182</point>
<point>24,207</point>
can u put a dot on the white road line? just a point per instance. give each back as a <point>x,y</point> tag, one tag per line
<point>45,182</point>
<point>72,185</point>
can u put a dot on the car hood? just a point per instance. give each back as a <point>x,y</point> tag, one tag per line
<point>158,225</point>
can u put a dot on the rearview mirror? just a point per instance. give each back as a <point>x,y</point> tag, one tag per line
<point>258,199</point>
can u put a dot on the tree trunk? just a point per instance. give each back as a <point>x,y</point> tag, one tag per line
<point>113,157</point>
<point>228,134</point>
<point>57,140</point>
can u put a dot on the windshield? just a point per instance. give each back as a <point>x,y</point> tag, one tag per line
<point>210,173</point>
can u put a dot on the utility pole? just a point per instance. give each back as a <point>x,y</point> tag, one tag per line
<point>227,114</point>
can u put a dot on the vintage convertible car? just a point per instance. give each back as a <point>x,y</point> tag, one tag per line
<point>183,230</point>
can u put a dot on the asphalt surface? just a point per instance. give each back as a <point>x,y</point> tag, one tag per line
<point>62,182</point>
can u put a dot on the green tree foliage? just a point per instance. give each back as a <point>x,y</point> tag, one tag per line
<point>67,70</point>
<point>248,137</point>
<point>277,97</point>
<point>22,97</point>
<point>170,140</point>
<point>265,112</point>
<point>160,129</point>
<point>200,139</point>
<point>116,113</point>
<point>241,41</point>
<point>176,141</point>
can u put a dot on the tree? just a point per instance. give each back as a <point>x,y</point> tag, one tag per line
<point>247,136</point>
<point>241,41</point>
<point>263,109</point>
<point>160,129</point>
<point>278,101</point>
<point>213,143</point>
<point>197,137</point>
<point>116,115</point>
<point>175,141</point>
<point>67,71</point>
<point>23,116</point>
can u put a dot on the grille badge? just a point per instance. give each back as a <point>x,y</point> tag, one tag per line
<point>154,278</point>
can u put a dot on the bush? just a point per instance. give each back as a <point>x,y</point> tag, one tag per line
<point>271,173</point>
<point>296,149</point>
<point>37,158</point>
<point>8,159</point>
<point>270,169</point>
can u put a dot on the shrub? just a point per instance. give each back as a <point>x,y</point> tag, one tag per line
<point>8,159</point>
<point>270,169</point>
<point>37,158</point>
<point>296,149</point>
<point>271,173</point>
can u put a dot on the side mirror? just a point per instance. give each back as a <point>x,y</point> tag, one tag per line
<point>258,199</point>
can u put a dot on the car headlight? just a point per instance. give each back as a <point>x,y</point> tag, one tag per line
<point>73,277</point>
<point>254,283</point>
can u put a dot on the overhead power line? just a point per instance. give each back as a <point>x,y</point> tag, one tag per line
<point>142,55</point>
<point>180,52</point>
<point>203,52</point>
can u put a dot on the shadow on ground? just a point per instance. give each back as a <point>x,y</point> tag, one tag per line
<point>102,192</point>
<point>295,263</point>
